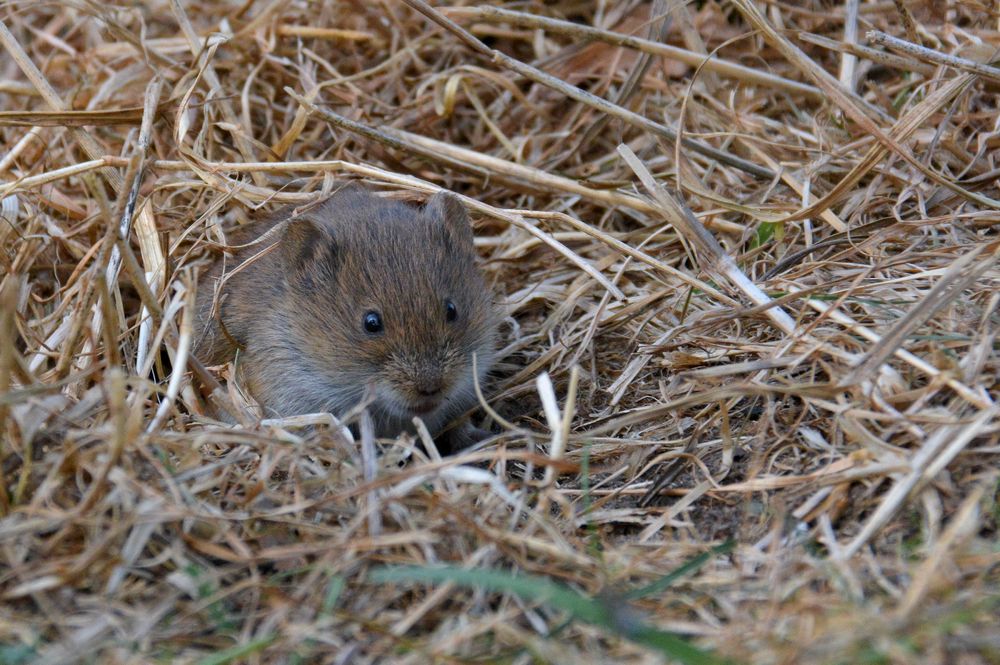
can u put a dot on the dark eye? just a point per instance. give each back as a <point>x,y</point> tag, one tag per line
<point>450,311</point>
<point>373,322</point>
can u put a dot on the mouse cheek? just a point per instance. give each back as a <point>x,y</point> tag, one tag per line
<point>387,399</point>
<point>389,383</point>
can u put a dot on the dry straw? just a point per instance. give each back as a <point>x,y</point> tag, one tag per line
<point>749,268</point>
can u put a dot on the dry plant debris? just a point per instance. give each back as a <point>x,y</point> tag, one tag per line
<point>747,253</point>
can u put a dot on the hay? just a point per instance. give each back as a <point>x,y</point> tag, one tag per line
<point>749,299</point>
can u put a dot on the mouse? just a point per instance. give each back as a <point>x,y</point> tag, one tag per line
<point>350,298</point>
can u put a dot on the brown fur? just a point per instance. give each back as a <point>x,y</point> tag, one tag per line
<point>297,311</point>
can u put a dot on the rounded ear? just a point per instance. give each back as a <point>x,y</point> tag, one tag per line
<point>306,243</point>
<point>446,210</point>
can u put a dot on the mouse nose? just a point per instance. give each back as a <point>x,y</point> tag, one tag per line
<point>429,387</point>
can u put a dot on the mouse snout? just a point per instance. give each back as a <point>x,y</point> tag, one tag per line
<point>428,384</point>
<point>421,383</point>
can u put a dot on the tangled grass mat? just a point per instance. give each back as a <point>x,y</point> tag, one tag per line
<point>746,398</point>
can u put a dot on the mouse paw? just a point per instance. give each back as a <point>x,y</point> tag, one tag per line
<point>462,437</point>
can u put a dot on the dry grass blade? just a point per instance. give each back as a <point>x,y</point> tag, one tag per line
<point>963,524</point>
<point>658,30</point>
<point>714,65</point>
<point>849,61</point>
<point>855,108</point>
<point>902,130</point>
<point>868,53</point>
<point>906,18</point>
<point>949,287</point>
<point>582,96</point>
<point>45,89</point>
<point>930,55</point>
<point>132,116</point>
<point>953,437</point>
<point>708,248</point>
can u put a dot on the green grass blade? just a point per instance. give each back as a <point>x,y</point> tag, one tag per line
<point>239,651</point>
<point>692,565</point>
<point>611,615</point>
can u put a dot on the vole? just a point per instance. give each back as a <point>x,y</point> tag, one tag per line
<point>355,292</point>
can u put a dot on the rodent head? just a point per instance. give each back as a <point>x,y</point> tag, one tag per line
<point>383,294</point>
